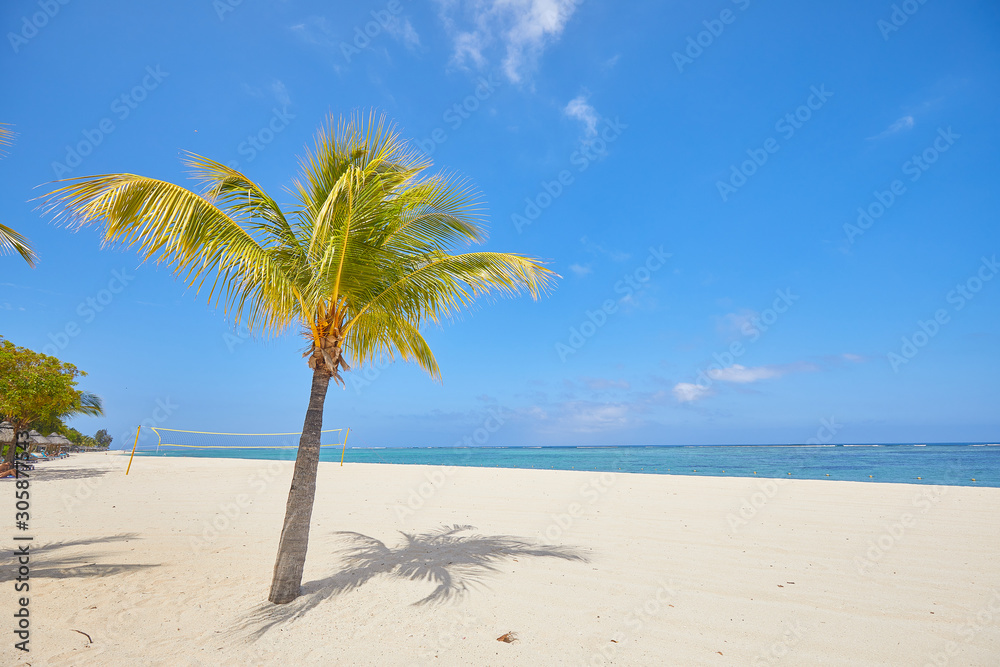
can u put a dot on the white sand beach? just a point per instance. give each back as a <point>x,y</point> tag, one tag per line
<point>171,566</point>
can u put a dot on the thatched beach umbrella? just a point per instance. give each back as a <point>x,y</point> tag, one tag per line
<point>59,441</point>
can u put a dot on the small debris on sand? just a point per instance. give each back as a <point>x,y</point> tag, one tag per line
<point>85,635</point>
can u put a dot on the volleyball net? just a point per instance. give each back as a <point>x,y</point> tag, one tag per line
<point>172,439</point>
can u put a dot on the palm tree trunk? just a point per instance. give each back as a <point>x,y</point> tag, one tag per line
<point>298,510</point>
<point>11,453</point>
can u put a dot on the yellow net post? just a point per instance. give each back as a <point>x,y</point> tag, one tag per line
<point>345,448</point>
<point>139,428</point>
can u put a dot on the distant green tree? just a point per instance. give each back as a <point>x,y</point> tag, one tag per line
<point>79,439</point>
<point>39,391</point>
<point>103,438</point>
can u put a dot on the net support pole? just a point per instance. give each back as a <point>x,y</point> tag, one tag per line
<point>134,445</point>
<point>344,451</point>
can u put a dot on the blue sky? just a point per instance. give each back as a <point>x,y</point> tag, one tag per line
<point>693,171</point>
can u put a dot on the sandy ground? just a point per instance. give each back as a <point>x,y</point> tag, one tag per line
<point>412,565</point>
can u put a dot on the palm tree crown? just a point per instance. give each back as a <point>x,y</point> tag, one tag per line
<point>361,261</point>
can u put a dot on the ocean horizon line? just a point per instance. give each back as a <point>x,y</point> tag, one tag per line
<point>641,446</point>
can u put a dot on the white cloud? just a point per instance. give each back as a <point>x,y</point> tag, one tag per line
<point>522,27</point>
<point>280,93</point>
<point>742,375</point>
<point>469,45</point>
<point>601,384</point>
<point>318,31</point>
<point>314,30</point>
<point>856,358</point>
<point>685,392</point>
<point>579,416</point>
<point>904,123</point>
<point>579,270</point>
<point>735,325</point>
<point>600,417</point>
<point>579,109</point>
<point>275,89</point>
<point>402,30</point>
<point>591,416</point>
<point>738,374</point>
<point>598,249</point>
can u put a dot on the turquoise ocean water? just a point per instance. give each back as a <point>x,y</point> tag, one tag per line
<point>956,464</point>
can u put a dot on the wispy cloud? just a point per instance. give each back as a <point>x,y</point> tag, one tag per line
<point>522,29</point>
<point>686,392</point>
<point>899,125</point>
<point>735,325</point>
<point>33,289</point>
<point>319,32</point>
<point>839,360</point>
<point>598,249</point>
<point>402,31</point>
<point>280,93</point>
<point>743,375</point>
<point>275,90</point>
<point>601,384</point>
<point>580,270</point>
<point>582,416</point>
<point>314,30</point>
<point>579,109</point>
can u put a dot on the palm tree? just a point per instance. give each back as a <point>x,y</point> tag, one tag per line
<point>359,262</point>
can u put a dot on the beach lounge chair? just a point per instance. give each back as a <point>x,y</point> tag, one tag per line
<point>7,470</point>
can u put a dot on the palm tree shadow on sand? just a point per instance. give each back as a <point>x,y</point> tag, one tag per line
<point>455,562</point>
<point>63,560</point>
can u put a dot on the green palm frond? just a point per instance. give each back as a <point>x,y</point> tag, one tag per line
<point>11,241</point>
<point>6,137</point>
<point>89,404</point>
<point>198,240</point>
<point>361,261</point>
<point>242,197</point>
